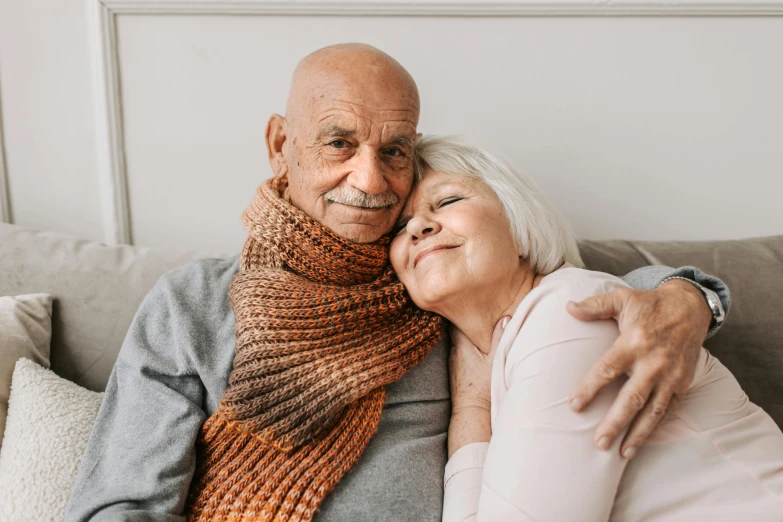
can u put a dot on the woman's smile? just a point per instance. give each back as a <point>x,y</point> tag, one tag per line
<point>434,249</point>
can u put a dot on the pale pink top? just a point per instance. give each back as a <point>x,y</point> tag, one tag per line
<point>717,458</point>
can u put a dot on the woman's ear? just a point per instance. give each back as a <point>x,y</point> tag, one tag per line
<point>275,141</point>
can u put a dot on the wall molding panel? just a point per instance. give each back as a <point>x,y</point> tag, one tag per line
<point>103,14</point>
<point>110,148</point>
<point>450,7</point>
<point>5,193</point>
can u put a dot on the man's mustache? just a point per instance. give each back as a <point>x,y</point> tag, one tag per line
<point>357,198</point>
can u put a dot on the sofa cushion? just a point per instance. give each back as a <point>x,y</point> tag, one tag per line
<point>49,423</point>
<point>96,290</point>
<point>25,331</point>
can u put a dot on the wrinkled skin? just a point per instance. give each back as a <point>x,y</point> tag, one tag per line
<point>350,128</point>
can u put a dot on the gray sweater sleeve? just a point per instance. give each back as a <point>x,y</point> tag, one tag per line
<point>140,457</point>
<point>651,277</point>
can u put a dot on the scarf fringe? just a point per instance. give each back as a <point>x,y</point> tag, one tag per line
<point>245,478</point>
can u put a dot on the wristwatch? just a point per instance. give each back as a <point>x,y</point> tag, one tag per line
<point>713,301</point>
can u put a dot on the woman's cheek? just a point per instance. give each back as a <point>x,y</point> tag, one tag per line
<point>394,254</point>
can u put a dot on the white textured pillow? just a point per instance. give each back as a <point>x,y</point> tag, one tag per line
<point>49,422</point>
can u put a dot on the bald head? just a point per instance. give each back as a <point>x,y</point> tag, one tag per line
<point>346,141</point>
<point>368,73</point>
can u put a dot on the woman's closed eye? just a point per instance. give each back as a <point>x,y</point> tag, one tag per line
<point>403,223</point>
<point>448,201</point>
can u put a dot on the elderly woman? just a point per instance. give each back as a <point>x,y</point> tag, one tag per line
<point>478,244</point>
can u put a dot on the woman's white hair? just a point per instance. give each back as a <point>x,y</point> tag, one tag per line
<point>543,235</point>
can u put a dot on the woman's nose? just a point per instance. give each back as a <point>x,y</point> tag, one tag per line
<point>420,227</point>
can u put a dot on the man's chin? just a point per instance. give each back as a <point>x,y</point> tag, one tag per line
<point>359,232</point>
<point>359,225</point>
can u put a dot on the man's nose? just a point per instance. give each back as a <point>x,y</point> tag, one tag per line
<point>421,226</point>
<point>367,175</point>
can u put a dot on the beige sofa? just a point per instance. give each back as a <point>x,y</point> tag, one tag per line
<point>98,288</point>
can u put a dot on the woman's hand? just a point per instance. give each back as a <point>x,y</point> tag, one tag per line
<point>470,376</point>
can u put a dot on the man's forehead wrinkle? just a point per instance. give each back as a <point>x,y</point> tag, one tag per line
<point>355,107</point>
<point>357,95</point>
<point>354,103</point>
<point>402,130</point>
<point>336,130</point>
<point>336,113</point>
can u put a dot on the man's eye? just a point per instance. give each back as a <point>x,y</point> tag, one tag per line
<point>448,201</point>
<point>338,144</point>
<point>394,151</point>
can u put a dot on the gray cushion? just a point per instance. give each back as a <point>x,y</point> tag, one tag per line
<point>25,331</point>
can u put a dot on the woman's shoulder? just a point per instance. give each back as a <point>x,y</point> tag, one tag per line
<point>575,284</point>
<point>545,305</point>
<point>543,313</point>
<point>542,326</point>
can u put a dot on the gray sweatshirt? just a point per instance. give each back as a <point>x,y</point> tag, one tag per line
<point>172,371</point>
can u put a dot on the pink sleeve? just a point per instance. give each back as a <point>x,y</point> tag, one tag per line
<point>541,464</point>
<point>462,482</point>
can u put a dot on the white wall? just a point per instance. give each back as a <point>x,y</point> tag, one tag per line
<point>48,116</point>
<point>642,127</point>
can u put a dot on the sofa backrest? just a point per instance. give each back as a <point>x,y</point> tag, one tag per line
<point>97,290</point>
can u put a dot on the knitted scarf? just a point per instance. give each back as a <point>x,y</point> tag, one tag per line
<point>322,324</point>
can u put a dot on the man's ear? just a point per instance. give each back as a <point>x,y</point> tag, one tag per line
<point>275,140</point>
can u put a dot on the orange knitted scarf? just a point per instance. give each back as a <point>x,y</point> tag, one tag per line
<point>322,324</point>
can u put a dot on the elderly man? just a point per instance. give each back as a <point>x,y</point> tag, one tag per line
<point>297,381</point>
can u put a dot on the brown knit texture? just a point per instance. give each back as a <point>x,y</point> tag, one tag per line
<point>322,325</point>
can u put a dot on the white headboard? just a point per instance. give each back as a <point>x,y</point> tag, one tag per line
<point>143,121</point>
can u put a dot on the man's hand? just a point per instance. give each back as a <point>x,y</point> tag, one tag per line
<point>661,333</point>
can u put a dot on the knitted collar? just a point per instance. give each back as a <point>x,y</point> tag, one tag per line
<point>282,235</point>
